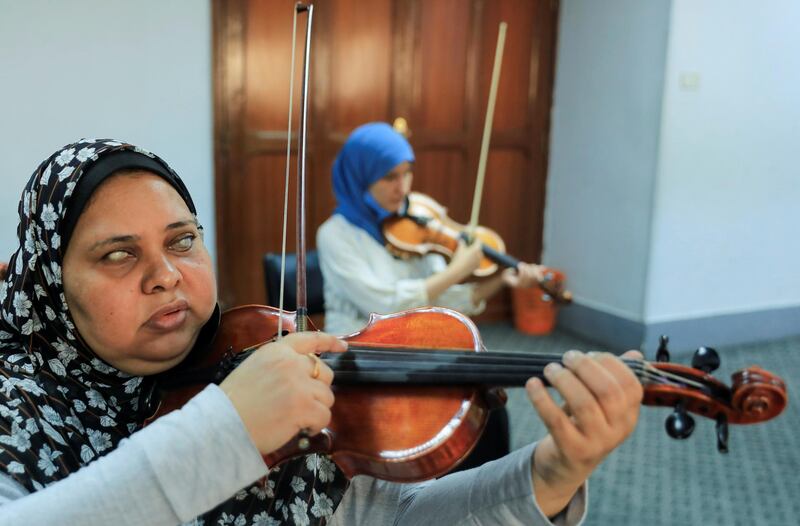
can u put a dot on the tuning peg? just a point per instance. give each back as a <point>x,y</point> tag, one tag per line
<point>662,354</point>
<point>706,359</point>
<point>722,433</point>
<point>679,424</point>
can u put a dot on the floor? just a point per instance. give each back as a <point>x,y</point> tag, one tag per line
<point>654,480</point>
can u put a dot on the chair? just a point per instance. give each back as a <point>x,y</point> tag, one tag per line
<point>272,275</point>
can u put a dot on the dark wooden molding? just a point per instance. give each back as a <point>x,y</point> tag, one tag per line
<point>229,26</point>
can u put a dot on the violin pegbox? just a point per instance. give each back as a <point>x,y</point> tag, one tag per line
<point>680,424</point>
<point>754,396</point>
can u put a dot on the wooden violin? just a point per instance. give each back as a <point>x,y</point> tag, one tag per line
<point>423,226</point>
<point>411,390</point>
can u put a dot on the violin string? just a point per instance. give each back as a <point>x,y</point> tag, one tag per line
<point>498,362</point>
<point>667,375</point>
<point>504,378</point>
<point>498,357</point>
<point>391,352</point>
<point>486,358</point>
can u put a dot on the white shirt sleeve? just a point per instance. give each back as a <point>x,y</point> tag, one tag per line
<point>351,265</point>
<point>498,493</point>
<point>182,465</point>
<point>190,460</point>
<point>457,297</point>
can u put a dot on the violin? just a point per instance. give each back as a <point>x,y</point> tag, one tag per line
<point>423,226</point>
<point>413,390</point>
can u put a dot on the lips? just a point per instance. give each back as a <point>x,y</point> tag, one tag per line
<point>169,317</point>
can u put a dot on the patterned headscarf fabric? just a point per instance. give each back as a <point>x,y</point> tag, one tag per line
<point>370,152</point>
<point>61,406</point>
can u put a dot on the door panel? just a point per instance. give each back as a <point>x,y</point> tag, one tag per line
<point>428,61</point>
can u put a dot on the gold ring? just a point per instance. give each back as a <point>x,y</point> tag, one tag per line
<point>316,361</point>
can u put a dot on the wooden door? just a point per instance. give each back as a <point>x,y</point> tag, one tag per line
<point>428,61</point>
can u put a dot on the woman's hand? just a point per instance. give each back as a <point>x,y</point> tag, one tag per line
<point>275,392</point>
<point>601,406</point>
<point>466,259</point>
<point>525,275</point>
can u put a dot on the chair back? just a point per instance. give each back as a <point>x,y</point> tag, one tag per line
<point>272,274</point>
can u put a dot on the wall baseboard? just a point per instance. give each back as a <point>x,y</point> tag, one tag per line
<point>613,332</point>
<point>618,333</point>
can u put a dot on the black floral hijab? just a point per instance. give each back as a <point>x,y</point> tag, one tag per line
<point>61,406</point>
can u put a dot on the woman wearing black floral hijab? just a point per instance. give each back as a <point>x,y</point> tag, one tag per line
<point>62,405</point>
<point>112,284</point>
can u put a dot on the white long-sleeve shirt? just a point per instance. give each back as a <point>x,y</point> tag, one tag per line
<point>191,460</point>
<point>360,277</point>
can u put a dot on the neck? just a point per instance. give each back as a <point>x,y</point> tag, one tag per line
<point>369,364</point>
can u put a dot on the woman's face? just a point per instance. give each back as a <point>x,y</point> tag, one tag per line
<point>391,190</point>
<point>137,277</point>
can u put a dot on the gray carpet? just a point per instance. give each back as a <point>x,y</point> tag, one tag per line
<point>654,480</point>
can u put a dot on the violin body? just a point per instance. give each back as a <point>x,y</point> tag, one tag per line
<point>386,431</point>
<point>425,227</point>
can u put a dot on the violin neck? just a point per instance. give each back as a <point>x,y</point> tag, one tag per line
<point>370,365</point>
<point>504,260</point>
<point>495,256</point>
<point>546,283</point>
<point>364,364</point>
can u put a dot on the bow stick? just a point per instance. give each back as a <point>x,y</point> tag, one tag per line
<point>487,130</point>
<point>301,311</point>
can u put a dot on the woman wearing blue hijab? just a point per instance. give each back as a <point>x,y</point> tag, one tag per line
<point>371,179</point>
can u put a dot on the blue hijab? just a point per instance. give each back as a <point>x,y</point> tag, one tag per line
<point>370,152</point>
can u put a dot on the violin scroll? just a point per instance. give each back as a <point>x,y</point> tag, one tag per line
<point>553,286</point>
<point>757,395</point>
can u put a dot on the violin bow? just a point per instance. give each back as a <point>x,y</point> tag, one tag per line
<point>487,130</point>
<point>301,312</point>
<point>547,284</point>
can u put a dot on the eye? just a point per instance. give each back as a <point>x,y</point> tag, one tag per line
<point>184,243</point>
<point>117,256</point>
